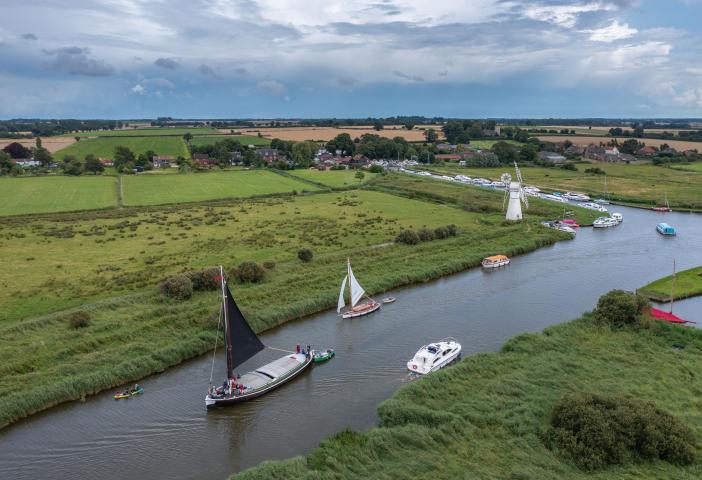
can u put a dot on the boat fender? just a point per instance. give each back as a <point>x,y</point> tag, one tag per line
<point>414,367</point>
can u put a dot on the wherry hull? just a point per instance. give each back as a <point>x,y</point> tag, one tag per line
<point>372,307</point>
<point>254,381</point>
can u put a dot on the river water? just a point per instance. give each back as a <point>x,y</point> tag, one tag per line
<point>167,433</point>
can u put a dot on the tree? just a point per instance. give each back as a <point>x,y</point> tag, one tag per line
<point>619,308</point>
<point>505,152</point>
<point>41,154</point>
<point>631,146</point>
<point>77,138</point>
<point>124,157</point>
<point>71,165</point>
<point>360,175</point>
<point>378,125</point>
<point>341,142</point>
<point>303,153</point>
<point>409,126</point>
<point>5,162</point>
<point>17,150</point>
<point>430,135</point>
<point>188,137</point>
<point>528,153</point>
<point>92,164</point>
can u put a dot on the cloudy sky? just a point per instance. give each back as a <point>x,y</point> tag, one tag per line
<point>333,58</point>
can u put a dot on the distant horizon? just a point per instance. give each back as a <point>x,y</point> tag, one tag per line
<point>309,119</point>
<point>306,59</point>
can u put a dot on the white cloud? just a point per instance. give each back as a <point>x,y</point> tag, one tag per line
<point>272,87</point>
<point>565,15</point>
<point>139,89</point>
<point>614,31</point>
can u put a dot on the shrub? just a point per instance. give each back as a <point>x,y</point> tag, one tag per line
<point>305,255</point>
<point>425,234</point>
<point>249,272</point>
<point>376,169</point>
<point>205,279</point>
<point>595,171</point>
<point>441,233</point>
<point>619,308</point>
<point>178,287</point>
<point>80,319</point>
<point>452,229</point>
<point>269,265</point>
<point>569,166</point>
<point>597,431</point>
<point>408,237</point>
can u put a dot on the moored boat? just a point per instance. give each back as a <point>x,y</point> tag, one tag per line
<point>434,356</point>
<point>326,355</point>
<point>576,196</point>
<point>665,229</point>
<point>495,261</point>
<point>618,217</point>
<point>389,300</point>
<point>242,344</point>
<point>605,222</point>
<point>356,293</point>
<point>593,206</point>
<point>137,390</point>
<point>665,208</point>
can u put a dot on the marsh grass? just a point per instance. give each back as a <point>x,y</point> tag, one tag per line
<point>487,416</point>
<point>688,283</point>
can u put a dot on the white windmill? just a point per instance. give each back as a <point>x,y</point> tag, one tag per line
<point>515,191</point>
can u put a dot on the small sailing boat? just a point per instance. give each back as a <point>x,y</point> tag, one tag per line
<point>664,209</point>
<point>669,316</point>
<point>603,200</point>
<point>356,293</point>
<point>241,344</point>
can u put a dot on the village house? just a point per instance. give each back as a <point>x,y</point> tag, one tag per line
<point>161,161</point>
<point>647,150</point>
<point>448,157</point>
<point>573,151</point>
<point>270,155</point>
<point>446,147</point>
<point>106,162</point>
<point>359,161</point>
<point>204,159</point>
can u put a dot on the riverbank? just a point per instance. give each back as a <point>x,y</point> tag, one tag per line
<point>134,332</point>
<point>486,416</point>
<point>688,283</point>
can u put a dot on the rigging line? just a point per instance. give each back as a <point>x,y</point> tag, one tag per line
<point>279,349</point>
<point>219,322</point>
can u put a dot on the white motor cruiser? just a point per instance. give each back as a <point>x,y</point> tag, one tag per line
<point>605,222</point>
<point>618,217</point>
<point>434,356</point>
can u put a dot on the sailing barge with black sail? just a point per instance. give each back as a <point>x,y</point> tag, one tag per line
<point>241,344</point>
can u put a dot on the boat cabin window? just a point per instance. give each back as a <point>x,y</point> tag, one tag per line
<point>432,349</point>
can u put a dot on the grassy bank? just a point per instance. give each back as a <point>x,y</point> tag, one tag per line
<point>642,185</point>
<point>105,146</point>
<point>688,283</point>
<point>485,417</point>
<point>109,262</point>
<point>333,178</point>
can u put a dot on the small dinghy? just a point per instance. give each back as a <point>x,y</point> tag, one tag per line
<point>434,356</point>
<point>389,299</point>
<point>138,390</point>
<point>495,261</point>
<point>326,355</point>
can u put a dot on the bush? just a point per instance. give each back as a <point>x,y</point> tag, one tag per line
<point>425,234</point>
<point>569,166</point>
<point>80,319</point>
<point>205,279</point>
<point>178,287</point>
<point>249,272</point>
<point>595,171</point>
<point>619,308</point>
<point>269,265</point>
<point>441,232</point>
<point>452,229</point>
<point>376,169</point>
<point>408,237</point>
<point>305,255</point>
<point>597,431</point>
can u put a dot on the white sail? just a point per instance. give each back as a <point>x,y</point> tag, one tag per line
<point>341,303</point>
<point>356,288</point>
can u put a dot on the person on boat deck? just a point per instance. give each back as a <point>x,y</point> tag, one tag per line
<point>136,387</point>
<point>297,348</point>
<point>309,350</point>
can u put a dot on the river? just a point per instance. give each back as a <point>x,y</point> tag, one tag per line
<point>167,433</point>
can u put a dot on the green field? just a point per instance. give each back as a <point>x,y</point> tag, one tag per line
<point>642,184</point>
<point>105,147</point>
<point>20,196</point>
<point>243,139</point>
<point>485,417</point>
<point>152,132</point>
<point>108,263</point>
<point>195,187</point>
<point>486,144</point>
<point>333,178</point>
<point>688,167</point>
<point>688,283</point>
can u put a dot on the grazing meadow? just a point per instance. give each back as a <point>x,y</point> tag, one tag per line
<point>487,416</point>
<point>333,178</point>
<point>19,196</point>
<point>644,185</point>
<point>105,146</point>
<point>108,263</point>
<point>243,139</point>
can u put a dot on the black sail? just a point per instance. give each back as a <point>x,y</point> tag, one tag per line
<point>243,341</point>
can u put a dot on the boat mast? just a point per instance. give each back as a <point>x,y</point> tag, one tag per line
<point>227,339</point>
<point>348,272</point>
<point>605,191</point>
<point>672,289</point>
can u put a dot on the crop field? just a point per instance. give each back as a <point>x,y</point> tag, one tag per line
<point>583,141</point>
<point>243,139</point>
<point>327,133</point>
<point>333,178</point>
<point>52,144</point>
<point>108,263</point>
<point>105,147</point>
<point>485,417</point>
<point>148,132</point>
<point>195,187</point>
<point>642,184</point>
<point>20,196</point>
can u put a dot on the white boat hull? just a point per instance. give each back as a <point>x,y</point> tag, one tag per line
<point>495,264</point>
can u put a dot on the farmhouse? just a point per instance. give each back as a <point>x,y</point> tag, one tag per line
<point>647,150</point>
<point>161,161</point>
<point>573,151</point>
<point>106,162</point>
<point>203,159</point>
<point>448,157</point>
<point>270,155</point>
